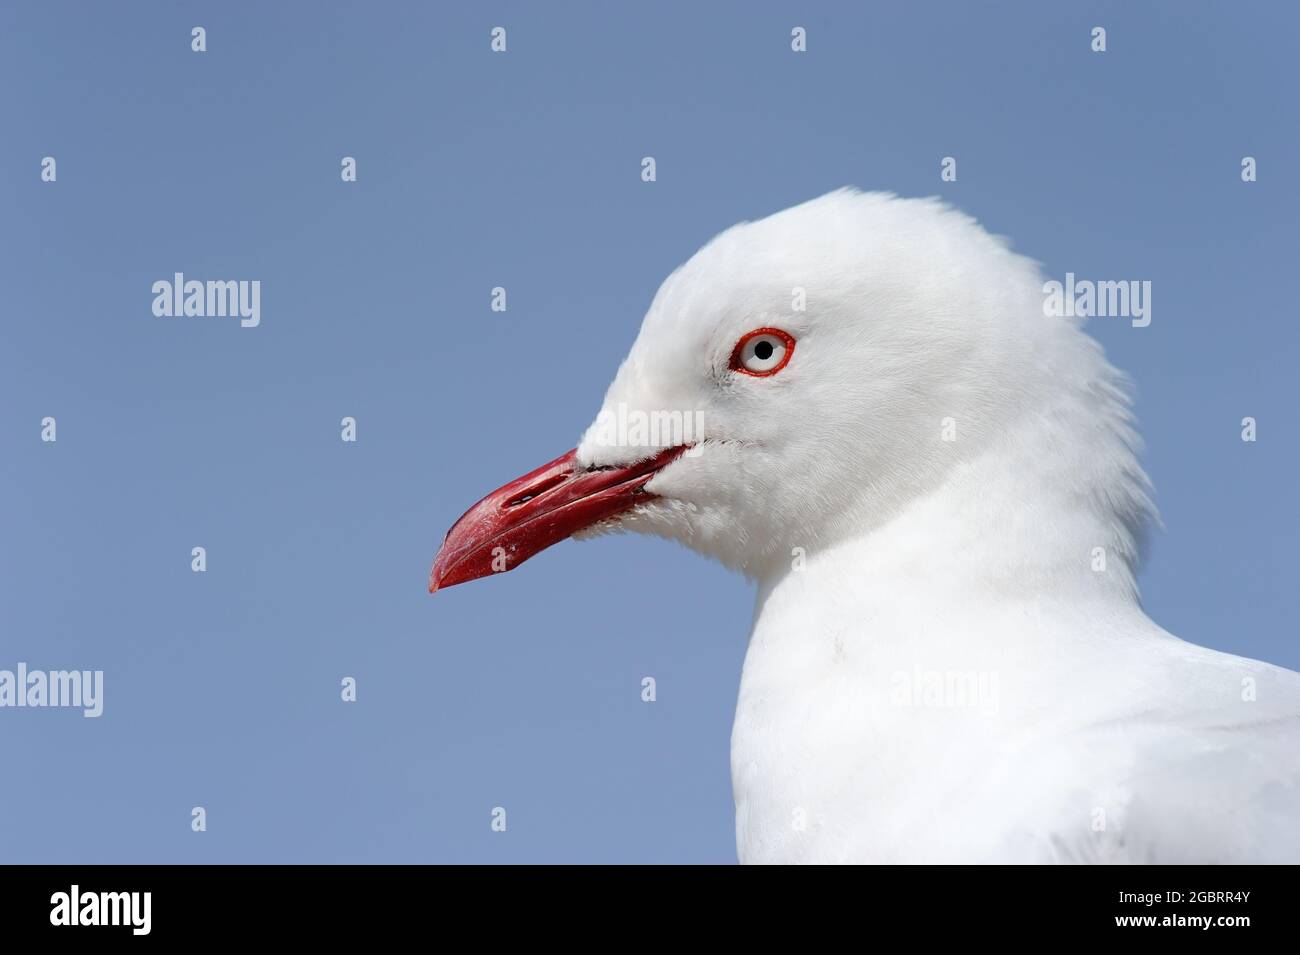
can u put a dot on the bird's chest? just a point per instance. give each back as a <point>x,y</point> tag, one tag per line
<point>838,756</point>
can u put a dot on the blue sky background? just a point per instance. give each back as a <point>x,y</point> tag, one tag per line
<point>522,170</point>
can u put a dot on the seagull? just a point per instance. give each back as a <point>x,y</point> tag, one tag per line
<point>935,486</point>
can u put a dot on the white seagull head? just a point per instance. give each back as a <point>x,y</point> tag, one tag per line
<point>826,369</point>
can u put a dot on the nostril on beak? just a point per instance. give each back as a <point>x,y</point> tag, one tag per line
<point>555,480</point>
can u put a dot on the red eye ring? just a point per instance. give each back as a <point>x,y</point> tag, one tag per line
<point>738,352</point>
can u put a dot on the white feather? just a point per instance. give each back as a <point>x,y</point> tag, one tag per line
<point>895,567</point>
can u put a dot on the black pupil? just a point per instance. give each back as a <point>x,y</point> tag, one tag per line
<point>763,351</point>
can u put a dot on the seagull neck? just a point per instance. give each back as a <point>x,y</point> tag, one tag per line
<point>1003,531</point>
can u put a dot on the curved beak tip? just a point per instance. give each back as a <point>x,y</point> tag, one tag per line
<point>529,514</point>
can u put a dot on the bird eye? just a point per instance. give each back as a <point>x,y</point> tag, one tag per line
<point>762,352</point>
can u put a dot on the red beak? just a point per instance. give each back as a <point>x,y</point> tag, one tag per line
<point>533,512</point>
